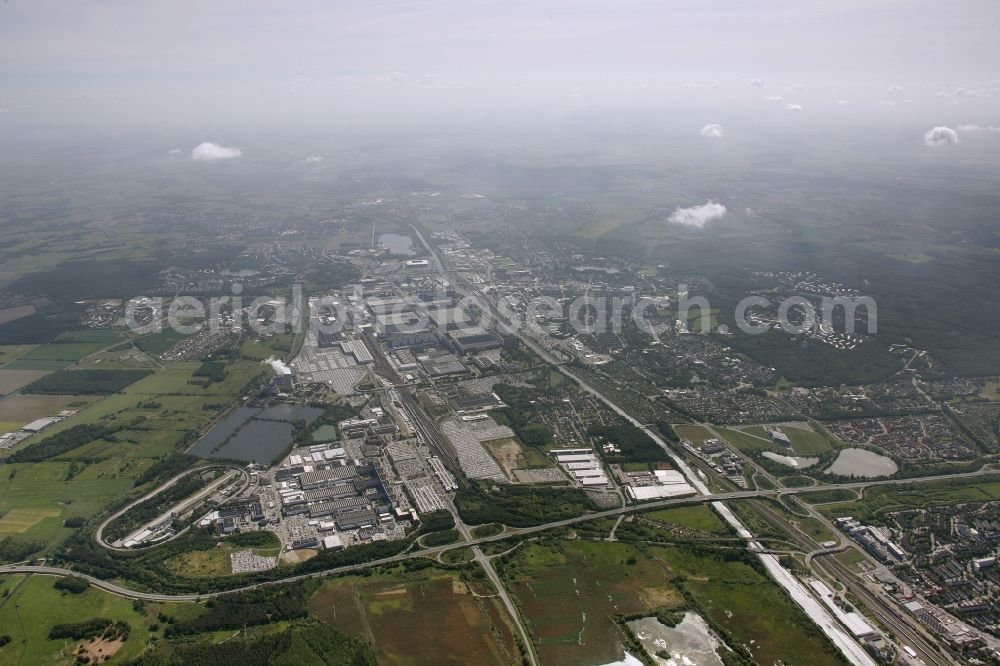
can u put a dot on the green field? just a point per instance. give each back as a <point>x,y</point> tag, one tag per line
<point>10,352</point>
<point>804,442</point>
<point>755,438</point>
<point>37,497</point>
<point>880,500</point>
<point>105,338</point>
<point>62,351</point>
<point>211,563</point>
<point>84,382</point>
<point>695,434</point>
<point>34,606</point>
<point>158,343</point>
<point>427,617</point>
<point>124,360</point>
<point>700,518</point>
<point>570,591</point>
<point>163,413</point>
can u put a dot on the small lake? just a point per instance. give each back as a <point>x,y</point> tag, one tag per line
<point>790,461</point>
<point>397,244</point>
<point>222,431</point>
<point>325,433</point>
<point>291,413</point>
<point>859,462</point>
<point>257,441</point>
<point>690,642</point>
<point>254,435</point>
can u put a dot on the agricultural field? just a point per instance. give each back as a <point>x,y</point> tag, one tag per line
<point>126,359</point>
<point>570,593</point>
<point>10,352</point>
<point>161,414</point>
<point>179,379</point>
<point>93,336</point>
<point>23,409</point>
<point>38,497</point>
<point>427,617</point>
<point>12,380</point>
<point>84,382</point>
<point>56,355</point>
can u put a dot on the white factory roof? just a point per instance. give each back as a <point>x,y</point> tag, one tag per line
<point>669,476</point>
<point>590,471</point>
<point>595,481</point>
<point>39,424</point>
<point>659,491</point>
<point>358,349</point>
<point>589,457</point>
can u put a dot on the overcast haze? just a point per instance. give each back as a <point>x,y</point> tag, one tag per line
<point>125,66</point>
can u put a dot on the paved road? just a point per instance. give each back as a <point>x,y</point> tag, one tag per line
<point>132,593</point>
<point>99,533</point>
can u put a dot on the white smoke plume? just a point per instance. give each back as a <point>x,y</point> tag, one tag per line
<point>279,366</point>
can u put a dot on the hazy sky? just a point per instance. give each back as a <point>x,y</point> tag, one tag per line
<point>215,61</point>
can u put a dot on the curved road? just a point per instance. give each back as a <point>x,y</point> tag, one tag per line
<point>132,593</point>
<point>99,533</point>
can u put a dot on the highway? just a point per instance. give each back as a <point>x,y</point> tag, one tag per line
<point>846,643</point>
<point>133,593</point>
<point>887,613</point>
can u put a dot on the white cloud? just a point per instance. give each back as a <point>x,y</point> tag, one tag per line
<point>212,151</point>
<point>975,92</point>
<point>796,87</point>
<point>774,98</point>
<point>313,159</point>
<point>894,89</point>
<point>697,216</point>
<point>793,107</point>
<point>756,83</point>
<point>883,102</point>
<point>842,102</point>
<point>174,151</point>
<point>712,131</point>
<point>940,136</point>
<point>701,85</point>
<point>978,128</point>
